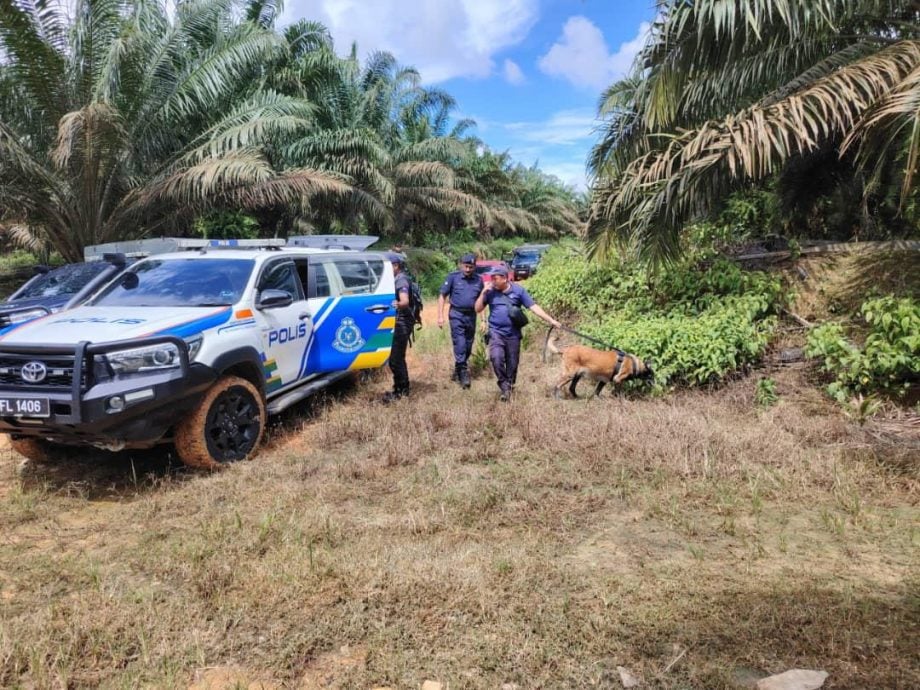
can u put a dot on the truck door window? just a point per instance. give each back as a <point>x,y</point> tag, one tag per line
<point>376,266</point>
<point>357,278</point>
<point>321,285</point>
<point>281,276</point>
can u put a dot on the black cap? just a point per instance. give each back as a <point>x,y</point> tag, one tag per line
<point>468,259</point>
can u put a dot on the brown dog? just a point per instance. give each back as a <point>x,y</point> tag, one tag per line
<point>603,367</point>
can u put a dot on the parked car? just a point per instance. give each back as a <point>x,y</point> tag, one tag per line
<point>196,348</point>
<point>526,259</point>
<point>52,290</point>
<point>484,267</point>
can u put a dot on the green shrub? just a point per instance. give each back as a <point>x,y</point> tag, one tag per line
<point>765,395</point>
<point>889,360</point>
<point>696,324</point>
<point>429,268</point>
<point>237,225</point>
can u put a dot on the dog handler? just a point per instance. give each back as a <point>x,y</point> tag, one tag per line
<point>460,289</point>
<point>504,299</point>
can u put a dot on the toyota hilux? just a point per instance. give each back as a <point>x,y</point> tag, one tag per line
<point>196,348</point>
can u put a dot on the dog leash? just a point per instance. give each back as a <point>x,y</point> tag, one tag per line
<point>589,338</point>
<point>604,345</point>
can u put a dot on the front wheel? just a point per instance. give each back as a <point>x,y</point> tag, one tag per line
<point>226,426</point>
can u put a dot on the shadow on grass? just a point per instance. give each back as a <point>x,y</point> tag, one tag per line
<point>99,475</point>
<point>862,640</point>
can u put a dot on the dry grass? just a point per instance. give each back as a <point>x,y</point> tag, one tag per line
<point>450,537</point>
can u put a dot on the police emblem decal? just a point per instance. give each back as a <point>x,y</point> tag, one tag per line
<point>348,337</point>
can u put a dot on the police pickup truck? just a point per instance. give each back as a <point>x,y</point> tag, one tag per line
<point>195,347</point>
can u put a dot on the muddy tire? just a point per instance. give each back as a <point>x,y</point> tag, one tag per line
<point>225,427</point>
<point>38,450</point>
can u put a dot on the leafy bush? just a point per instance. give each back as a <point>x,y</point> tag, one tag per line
<point>236,225</point>
<point>889,360</point>
<point>765,395</point>
<point>696,324</point>
<point>429,268</point>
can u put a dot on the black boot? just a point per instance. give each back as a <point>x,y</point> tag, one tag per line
<point>455,374</point>
<point>394,395</point>
<point>464,374</point>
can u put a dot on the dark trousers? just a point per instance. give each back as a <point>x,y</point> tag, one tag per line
<point>463,334</point>
<point>401,333</point>
<point>505,353</point>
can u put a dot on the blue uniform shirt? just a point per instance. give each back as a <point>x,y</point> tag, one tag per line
<point>498,303</point>
<point>462,291</point>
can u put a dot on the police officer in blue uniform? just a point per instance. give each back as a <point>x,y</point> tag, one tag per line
<point>503,297</point>
<point>402,331</point>
<point>460,290</point>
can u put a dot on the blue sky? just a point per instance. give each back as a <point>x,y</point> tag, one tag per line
<point>528,71</point>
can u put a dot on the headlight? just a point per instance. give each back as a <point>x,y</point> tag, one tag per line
<point>141,359</point>
<point>194,345</point>
<point>23,316</point>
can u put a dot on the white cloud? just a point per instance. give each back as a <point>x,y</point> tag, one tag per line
<point>564,128</point>
<point>581,55</point>
<point>559,144</point>
<point>571,173</point>
<point>513,73</point>
<point>442,39</point>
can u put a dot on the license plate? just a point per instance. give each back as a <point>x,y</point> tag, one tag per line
<point>25,407</point>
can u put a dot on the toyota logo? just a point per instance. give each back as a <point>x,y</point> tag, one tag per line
<point>34,372</point>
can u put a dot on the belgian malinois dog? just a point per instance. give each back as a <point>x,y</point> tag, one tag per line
<point>603,367</point>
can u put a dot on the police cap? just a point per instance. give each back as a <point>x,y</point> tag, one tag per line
<point>396,258</point>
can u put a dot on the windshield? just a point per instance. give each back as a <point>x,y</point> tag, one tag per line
<point>66,280</point>
<point>527,258</point>
<point>189,282</point>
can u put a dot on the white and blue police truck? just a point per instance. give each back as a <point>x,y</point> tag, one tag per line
<point>195,347</point>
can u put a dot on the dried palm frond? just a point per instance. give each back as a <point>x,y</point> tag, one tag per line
<point>663,189</point>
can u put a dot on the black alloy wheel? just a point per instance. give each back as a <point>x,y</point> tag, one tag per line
<point>233,425</point>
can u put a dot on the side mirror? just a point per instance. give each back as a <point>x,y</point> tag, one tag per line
<point>273,299</point>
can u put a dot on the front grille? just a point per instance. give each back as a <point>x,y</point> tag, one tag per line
<point>59,367</point>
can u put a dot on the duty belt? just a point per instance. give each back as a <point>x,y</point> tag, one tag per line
<point>463,310</point>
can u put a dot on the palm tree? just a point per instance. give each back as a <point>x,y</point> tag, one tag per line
<point>376,124</point>
<point>118,120</point>
<point>726,92</point>
<point>522,201</point>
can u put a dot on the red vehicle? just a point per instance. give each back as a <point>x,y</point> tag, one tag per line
<point>485,266</point>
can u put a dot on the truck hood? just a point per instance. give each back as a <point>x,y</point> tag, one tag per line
<point>55,302</point>
<point>107,324</point>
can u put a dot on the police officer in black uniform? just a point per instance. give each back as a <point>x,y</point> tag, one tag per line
<point>460,289</point>
<point>402,331</point>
